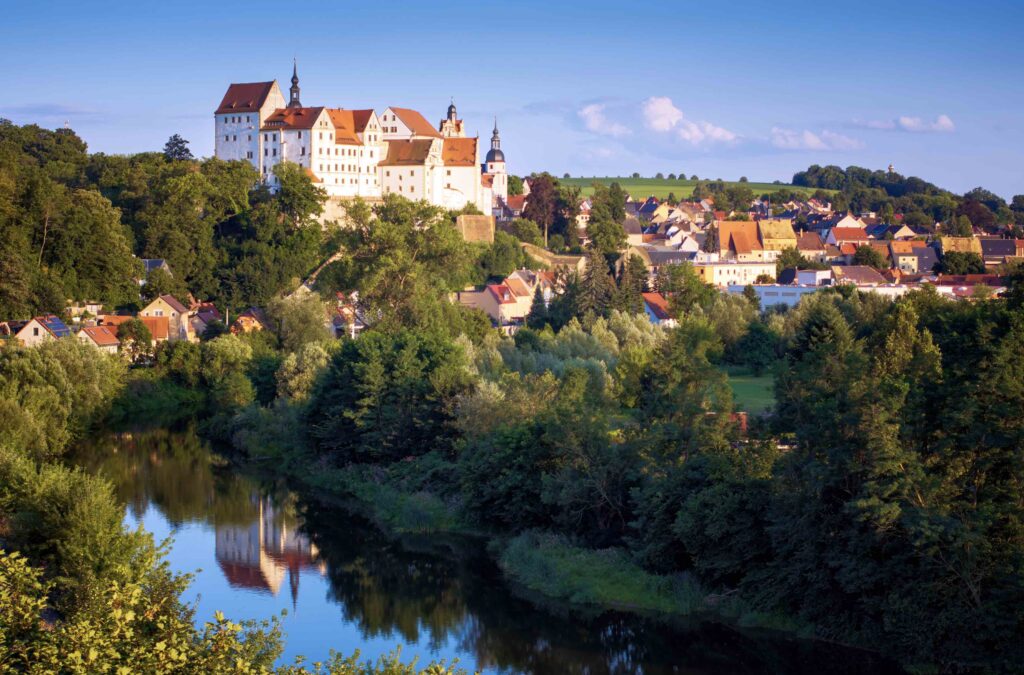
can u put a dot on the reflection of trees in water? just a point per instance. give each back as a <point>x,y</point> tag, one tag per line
<point>174,470</point>
<point>450,589</point>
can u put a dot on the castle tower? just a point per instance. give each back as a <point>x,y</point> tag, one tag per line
<point>495,165</point>
<point>294,90</point>
<point>451,125</point>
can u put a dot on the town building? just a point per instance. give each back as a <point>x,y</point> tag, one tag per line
<point>103,338</point>
<point>40,329</point>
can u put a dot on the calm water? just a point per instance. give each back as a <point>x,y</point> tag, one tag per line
<point>256,549</point>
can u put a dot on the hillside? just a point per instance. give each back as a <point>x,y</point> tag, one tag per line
<point>641,188</point>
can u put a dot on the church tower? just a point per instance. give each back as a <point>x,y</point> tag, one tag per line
<point>294,101</point>
<point>451,126</point>
<point>495,165</point>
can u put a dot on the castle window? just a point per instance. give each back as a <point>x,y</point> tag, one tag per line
<point>388,174</point>
<point>226,138</point>
<point>300,134</point>
<point>234,137</point>
<point>266,153</point>
<point>303,150</point>
<point>449,172</point>
<point>275,152</point>
<point>412,188</point>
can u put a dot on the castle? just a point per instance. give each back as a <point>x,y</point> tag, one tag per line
<point>357,153</point>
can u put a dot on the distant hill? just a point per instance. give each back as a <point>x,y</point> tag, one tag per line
<point>642,188</point>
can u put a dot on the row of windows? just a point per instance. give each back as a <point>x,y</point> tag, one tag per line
<point>235,118</point>
<point>412,172</point>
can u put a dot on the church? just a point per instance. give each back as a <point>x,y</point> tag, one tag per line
<point>358,153</point>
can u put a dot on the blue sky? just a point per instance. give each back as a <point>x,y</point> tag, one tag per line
<point>760,89</point>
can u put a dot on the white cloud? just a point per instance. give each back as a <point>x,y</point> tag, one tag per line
<point>595,120</point>
<point>788,139</point>
<point>661,115</point>
<point>942,124</point>
<point>698,132</point>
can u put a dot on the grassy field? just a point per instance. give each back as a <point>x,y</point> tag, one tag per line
<point>642,188</point>
<point>752,394</point>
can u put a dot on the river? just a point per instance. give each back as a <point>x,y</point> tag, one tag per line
<point>256,549</point>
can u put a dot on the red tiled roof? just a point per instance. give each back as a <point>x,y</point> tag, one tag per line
<point>809,241</point>
<point>739,236</point>
<point>658,305</point>
<point>516,202</point>
<point>848,248</point>
<point>159,326</point>
<point>849,234</point>
<point>362,118</point>
<point>459,152</point>
<point>487,179</point>
<point>416,122</point>
<point>501,293</point>
<point>344,127</point>
<point>244,98</point>
<point>312,176</point>
<point>102,336</point>
<point>292,118</point>
<point>414,151</point>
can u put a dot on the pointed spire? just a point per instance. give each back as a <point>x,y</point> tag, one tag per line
<point>294,90</point>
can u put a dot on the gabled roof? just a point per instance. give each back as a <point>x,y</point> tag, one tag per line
<point>150,264</point>
<point>345,129</point>
<point>53,325</point>
<point>516,202</point>
<point>857,274</point>
<point>459,151</point>
<point>245,98</point>
<point>407,152</point>
<point>292,118</point>
<point>960,244</point>
<point>416,122</point>
<point>809,241</point>
<point>255,314</point>
<point>517,286</point>
<point>159,326</point>
<point>487,179</point>
<point>991,247</point>
<point>102,336</point>
<point>906,246</point>
<point>502,293</point>
<point>658,305</point>
<point>173,302</point>
<point>776,228</point>
<point>849,234</point>
<point>632,225</point>
<point>739,236</point>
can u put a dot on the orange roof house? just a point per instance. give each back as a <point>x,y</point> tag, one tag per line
<point>159,326</point>
<point>740,239</point>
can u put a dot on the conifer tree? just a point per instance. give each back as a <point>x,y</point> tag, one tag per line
<point>538,316</point>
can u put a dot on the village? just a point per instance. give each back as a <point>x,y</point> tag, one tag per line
<point>731,251</point>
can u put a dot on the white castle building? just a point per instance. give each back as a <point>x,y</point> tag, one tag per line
<point>356,153</point>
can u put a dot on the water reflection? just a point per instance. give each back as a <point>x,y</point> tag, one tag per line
<point>440,597</point>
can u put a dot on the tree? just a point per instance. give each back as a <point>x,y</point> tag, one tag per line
<point>606,236</point>
<point>298,320</point>
<point>515,186</point>
<point>743,179</point>
<point>596,287</point>
<point>659,176</point>
<point>711,243</point>
<point>959,226</point>
<point>136,340</point>
<point>543,204</point>
<point>526,231</point>
<point>791,258</point>
<point>538,317</point>
<point>958,262</point>
<point>868,255</point>
<point>176,149</point>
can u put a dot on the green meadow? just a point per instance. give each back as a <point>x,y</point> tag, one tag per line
<point>642,188</point>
